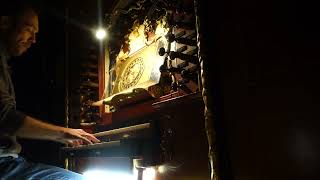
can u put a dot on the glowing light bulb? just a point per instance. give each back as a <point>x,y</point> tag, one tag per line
<point>101,34</point>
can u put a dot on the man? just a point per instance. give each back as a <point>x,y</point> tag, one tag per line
<point>17,34</point>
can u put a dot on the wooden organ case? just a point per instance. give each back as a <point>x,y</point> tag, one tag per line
<point>150,103</point>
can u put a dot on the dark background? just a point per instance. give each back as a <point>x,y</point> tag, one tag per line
<point>266,57</point>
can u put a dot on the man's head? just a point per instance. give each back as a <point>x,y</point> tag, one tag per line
<point>18,31</point>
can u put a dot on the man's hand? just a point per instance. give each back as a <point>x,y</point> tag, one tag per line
<point>35,129</point>
<point>76,137</point>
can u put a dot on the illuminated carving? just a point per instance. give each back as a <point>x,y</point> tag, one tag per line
<point>132,74</point>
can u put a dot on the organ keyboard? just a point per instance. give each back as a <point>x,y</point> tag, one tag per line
<point>140,140</point>
<point>123,130</point>
<point>100,145</point>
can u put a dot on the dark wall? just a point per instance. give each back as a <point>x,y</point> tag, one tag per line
<point>268,60</point>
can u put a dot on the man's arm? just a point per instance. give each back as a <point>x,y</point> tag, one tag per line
<point>10,118</point>
<point>35,129</point>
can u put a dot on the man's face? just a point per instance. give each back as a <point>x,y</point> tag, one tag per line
<point>24,34</point>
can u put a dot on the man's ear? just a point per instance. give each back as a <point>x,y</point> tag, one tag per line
<point>4,22</point>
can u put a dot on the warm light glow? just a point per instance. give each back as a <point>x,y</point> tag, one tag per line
<point>101,34</point>
<point>148,173</point>
<point>138,39</point>
<point>161,29</point>
<point>104,175</point>
<point>162,169</point>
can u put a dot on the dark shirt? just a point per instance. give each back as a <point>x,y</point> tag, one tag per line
<point>10,118</point>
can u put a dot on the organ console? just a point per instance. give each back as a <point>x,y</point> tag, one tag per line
<point>150,106</point>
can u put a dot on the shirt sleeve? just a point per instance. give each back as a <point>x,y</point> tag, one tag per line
<point>10,119</point>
